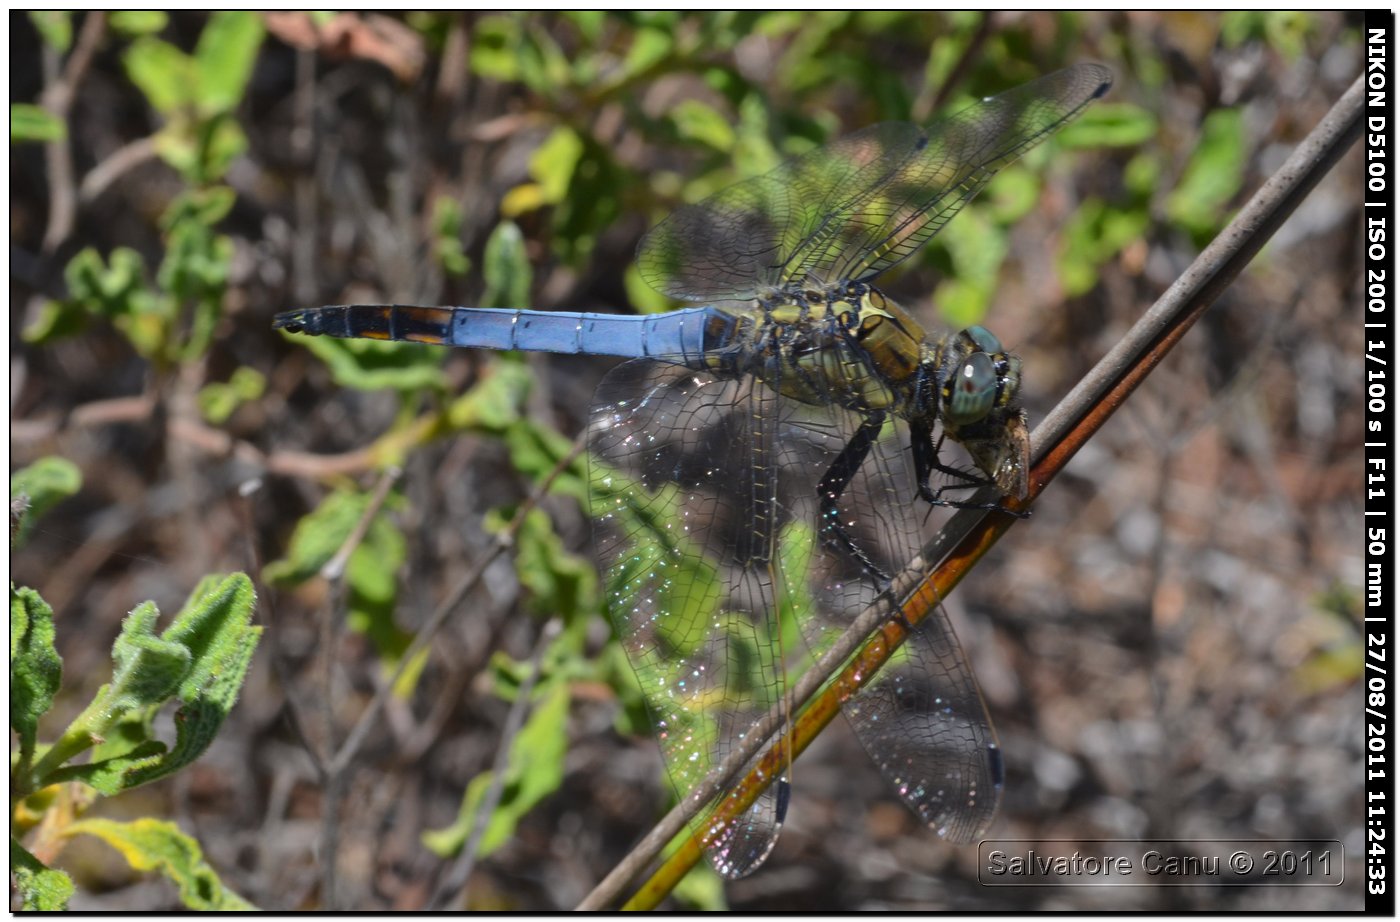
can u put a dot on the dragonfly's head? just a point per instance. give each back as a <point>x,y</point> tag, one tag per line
<point>978,385</point>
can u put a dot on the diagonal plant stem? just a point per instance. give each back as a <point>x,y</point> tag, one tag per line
<point>439,617</point>
<point>333,777</point>
<point>334,767</point>
<point>453,885</point>
<point>970,534</point>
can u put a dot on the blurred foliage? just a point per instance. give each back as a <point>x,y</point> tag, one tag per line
<point>1213,177</point>
<point>32,123</point>
<point>39,487</point>
<point>534,771</point>
<point>197,93</point>
<point>219,400</point>
<point>371,571</point>
<point>170,322</point>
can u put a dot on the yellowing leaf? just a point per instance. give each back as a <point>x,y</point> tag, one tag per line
<point>157,845</point>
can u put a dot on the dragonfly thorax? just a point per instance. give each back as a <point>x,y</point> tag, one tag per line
<point>854,348</point>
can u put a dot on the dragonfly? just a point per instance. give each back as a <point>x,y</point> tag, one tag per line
<point>767,458</point>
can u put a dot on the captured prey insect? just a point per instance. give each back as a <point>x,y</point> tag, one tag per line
<point>763,459</point>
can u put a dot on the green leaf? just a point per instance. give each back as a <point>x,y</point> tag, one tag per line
<point>111,775</point>
<point>977,251</point>
<point>447,236</point>
<point>42,485</point>
<point>201,660</point>
<point>371,574</point>
<point>128,734</point>
<point>118,291</point>
<point>544,67</point>
<point>1285,31</point>
<point>197,262</point>
<point>221,142</point>
<point>696,121</point>
<point>40,888</point>
<point>493,51</point>
<point>36,669</point>
<point>213,625</point>
<point>319,534</point>
<point>506,268</point>
<point>368,365</point>
<point>33,123</point>
<point>137,22</point>
<point>589,22</point>
<point>217,401</point>
<point>224,58</point>
<point>559,583</point>
<point>162,72</point>
<point>1096,233</point>
<point>215,628</point>
<point>593,202</point>
<point>535,770</point>
<point>1213,177</point>
<point>204,206</point>
<point>108,289</point>
<point>649,48</point>
<point>146,671</point>
<point>56,320</point>
<point>536,450</point>
<point>642,296</point>
<point>496,401</point>
<point>157,845</point>
<point>552,165</point>
<point>55,27</point>
<point>148,668</point>
<point>1012,195</point>
<point>1109,125</point>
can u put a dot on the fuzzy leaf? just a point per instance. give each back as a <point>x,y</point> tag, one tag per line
<point>148,668</point>
<point>157,845</point>
<point>42,889</point>
<point>215,628</point>
<point>36,669</point>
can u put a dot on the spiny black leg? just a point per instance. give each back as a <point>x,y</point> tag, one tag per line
<point>834,483</point>
<point>926,461</point>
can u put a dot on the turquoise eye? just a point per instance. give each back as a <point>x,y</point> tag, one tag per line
<point>974,389</point>
<point>983,339</point>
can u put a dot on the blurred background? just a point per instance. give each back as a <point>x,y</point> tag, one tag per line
<point>1169,647</point>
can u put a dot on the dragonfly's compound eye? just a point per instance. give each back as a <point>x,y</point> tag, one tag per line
<point>983,339</point>
<point>974,390</point>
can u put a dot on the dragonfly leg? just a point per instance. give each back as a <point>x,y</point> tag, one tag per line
<point>927,461</point>
<point>834,483</point>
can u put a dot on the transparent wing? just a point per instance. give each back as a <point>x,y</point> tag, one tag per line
<point>684,508</point>
<point>854,208</point>
<point>750,238</point>
<point>706,509</point>
<point>921,718</point>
